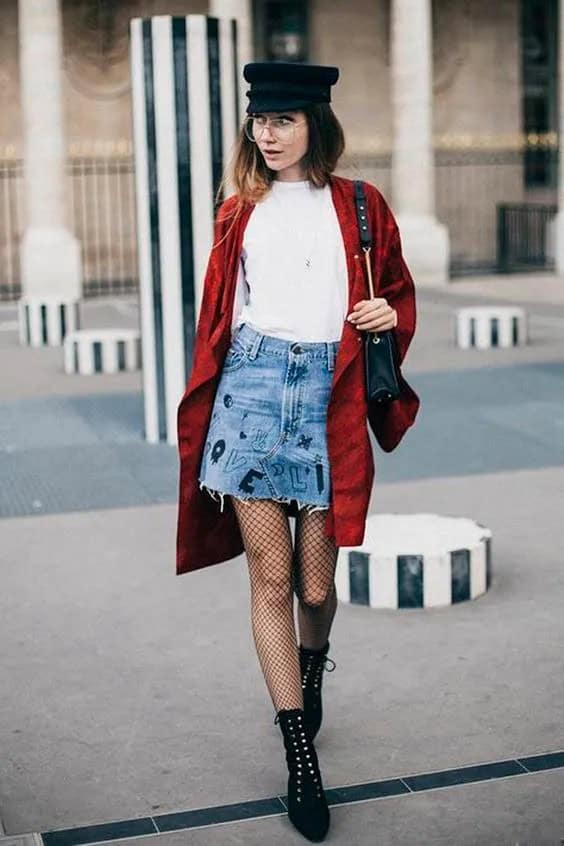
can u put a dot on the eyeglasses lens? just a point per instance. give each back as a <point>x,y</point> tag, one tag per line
<point>280,129</point>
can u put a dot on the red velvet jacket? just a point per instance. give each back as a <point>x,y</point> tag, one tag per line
<point>206,536</point>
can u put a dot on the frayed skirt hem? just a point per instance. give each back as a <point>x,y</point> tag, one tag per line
<point>219,496</point>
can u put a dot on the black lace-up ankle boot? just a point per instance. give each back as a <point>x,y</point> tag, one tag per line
<point>307,805</point>
<point>312,664</point>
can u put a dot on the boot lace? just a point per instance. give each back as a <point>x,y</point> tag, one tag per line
<point>301,758</point>
<point>313,670</point>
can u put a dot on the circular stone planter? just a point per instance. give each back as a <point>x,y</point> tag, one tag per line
<point>490,326</point>
<point>44,321</point>
<point>114,350</point>
<point>415,561</point>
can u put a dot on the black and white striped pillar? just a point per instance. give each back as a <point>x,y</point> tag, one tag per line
<point>114,350</point>
<point>185,121</point>
<point>484,327</point>
<point>45,320</point>
<point>415,561</point>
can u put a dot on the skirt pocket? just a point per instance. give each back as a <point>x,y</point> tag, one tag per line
<point>235,357</point>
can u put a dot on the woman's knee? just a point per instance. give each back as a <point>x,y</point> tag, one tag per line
<point>315,595</point>
<point>274,592</point>
<point>271,578</point>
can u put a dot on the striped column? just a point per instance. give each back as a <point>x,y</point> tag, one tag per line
<point>44,321</point>
<point>484,327</point>
<point>242,12</point>
<point>185,120</point>
<point>90,351</point>
<point>415,561</point>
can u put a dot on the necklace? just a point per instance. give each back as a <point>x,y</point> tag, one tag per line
<point>294,235</point>
<point>309,255</point>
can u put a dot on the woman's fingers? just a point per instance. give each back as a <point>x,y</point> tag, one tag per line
<point>373,314</point>
<point>376,307</point>
<point>376,325</point>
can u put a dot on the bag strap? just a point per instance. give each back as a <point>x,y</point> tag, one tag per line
<point>361,216</point>
<point>364,229</point>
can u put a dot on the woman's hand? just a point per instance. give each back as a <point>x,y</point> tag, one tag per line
<point>373,315</point>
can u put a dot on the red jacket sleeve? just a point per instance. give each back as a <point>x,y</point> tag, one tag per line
<point>210,304</point>
<point>397,286</point>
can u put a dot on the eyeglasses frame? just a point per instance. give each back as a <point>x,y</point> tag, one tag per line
<point>255,140</point>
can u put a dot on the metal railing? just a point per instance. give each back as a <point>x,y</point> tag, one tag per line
<point>101,201</point>
<point>10,227</point>
<point>102,208</point>
<point>470,186</point>
<point>525,236</point>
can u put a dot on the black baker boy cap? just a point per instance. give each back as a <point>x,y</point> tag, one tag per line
<point>281,86</point>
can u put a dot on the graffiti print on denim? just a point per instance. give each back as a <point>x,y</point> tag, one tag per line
<point>267,433</point>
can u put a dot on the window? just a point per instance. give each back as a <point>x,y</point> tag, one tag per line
<point>539,92</point>
<point>283,30</point>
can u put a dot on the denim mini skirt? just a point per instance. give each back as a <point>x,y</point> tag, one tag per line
<point>267,435</point>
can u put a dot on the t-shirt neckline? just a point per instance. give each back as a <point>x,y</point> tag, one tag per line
<point>295,183</point>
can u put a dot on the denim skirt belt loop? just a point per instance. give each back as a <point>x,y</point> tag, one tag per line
<point>267,435</point>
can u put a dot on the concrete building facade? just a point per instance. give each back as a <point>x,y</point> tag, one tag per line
<point>451,108</point>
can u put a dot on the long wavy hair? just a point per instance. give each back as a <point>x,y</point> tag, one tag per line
<point>251,177</point>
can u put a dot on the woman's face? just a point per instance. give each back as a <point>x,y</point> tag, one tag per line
<point>284,139</point>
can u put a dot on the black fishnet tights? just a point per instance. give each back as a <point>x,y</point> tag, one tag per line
<point>276,570</point>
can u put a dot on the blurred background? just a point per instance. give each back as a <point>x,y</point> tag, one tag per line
<point>494,120</point>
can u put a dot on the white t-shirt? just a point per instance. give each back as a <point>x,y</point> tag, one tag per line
<point>278,294</point>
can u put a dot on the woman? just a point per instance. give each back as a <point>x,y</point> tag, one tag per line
<point>273,420</point>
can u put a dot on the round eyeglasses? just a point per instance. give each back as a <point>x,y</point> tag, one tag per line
<point>281,128</point>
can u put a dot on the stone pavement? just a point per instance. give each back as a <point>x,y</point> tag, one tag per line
<point>131,693</point>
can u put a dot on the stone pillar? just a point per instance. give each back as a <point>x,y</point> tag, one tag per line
<point>50,255</point>
<point>184,93</point>
<point>558,224</point>
<point>241,10</point>
<point>424,240</point>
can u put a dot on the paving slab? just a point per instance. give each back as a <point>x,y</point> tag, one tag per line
<point>520,811</point>
<point>79,452</point>
<point>129,685</point>
<point>32,372</point>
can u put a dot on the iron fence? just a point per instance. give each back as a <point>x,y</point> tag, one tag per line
<point>472,189</point>
<point>101,205</point>
<point>525,237</point>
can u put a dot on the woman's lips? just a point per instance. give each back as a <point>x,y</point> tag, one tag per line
<point>272,153</point>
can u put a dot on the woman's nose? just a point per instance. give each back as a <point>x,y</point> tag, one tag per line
<point>267,128</point>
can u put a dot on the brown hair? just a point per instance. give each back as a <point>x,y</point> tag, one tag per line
<point>251,177</point>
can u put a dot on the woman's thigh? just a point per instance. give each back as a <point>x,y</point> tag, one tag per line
<point>267,539</point>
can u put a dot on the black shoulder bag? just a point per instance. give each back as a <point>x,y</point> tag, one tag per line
<point>380,349</point>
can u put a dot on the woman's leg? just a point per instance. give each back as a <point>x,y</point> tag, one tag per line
<point>315,562</point>
<point>268,545</point>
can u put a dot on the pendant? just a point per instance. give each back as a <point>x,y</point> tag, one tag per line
<point>307,262</point>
